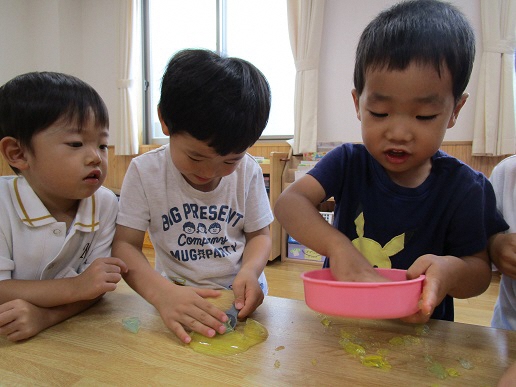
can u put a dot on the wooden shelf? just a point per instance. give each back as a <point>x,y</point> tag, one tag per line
<point>287,179</point>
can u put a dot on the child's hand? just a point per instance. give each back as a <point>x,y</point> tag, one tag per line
<point>183,307</point>
<point>503,253</point>
<point>21,320</point>
<point>509,377</point>
<point>356,270</point>
<point>248,293</point>
<point>439,272</point>
<point>100,277</point>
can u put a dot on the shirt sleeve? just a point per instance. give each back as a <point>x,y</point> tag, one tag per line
<point>475,220</point>
<point>134,211</point>
<point>258,209</point>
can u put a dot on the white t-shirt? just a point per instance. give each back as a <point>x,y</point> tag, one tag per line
<point>33,245</point>
<point>503,179</point>
<point>198,236</point>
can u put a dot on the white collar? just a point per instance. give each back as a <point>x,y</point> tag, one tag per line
<point>33,212</point>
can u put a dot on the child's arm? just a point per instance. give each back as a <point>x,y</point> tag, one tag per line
<point>296,210</point>
<point>508,377</point>
<point>179,306</point>
<point>100,277</point>
<point>21,320</point>
<point>248,294</point>
<point>502,250</point>
<point>462,277</point>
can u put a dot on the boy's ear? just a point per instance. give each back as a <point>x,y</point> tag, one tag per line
<point>14,153</point>
<point>164,127</point>
<point>456,110</point>
<point>355,101</point>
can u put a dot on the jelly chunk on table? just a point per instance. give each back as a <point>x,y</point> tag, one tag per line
<point>132,324</point>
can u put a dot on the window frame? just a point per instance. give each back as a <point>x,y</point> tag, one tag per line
<point>221,49</point>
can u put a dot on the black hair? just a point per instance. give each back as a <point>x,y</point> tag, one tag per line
<point>32,102</point>
<point>425,31</point>
<point>224,102</point>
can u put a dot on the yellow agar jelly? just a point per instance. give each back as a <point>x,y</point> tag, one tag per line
<point>376,361</point>
<point>231,343</point>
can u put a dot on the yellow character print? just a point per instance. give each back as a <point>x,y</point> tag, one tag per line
<point>377,255</point>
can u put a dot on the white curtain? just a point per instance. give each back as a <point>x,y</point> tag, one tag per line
<point>495,116</point>
<point>128,132</point>
<point>305,24</point>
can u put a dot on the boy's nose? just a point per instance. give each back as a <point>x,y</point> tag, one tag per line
<point>94,157</point>
<point>399,132</point>
<point>208,172</point>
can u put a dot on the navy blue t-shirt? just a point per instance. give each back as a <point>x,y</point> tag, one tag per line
<point>453,212</point>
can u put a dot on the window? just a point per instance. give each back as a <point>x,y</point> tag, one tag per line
<point>254,30</point>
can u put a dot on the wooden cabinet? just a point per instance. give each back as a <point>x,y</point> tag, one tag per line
<point>277,164</point>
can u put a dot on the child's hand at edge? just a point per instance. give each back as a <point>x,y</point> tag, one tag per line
<point>183,307</point>
<point>20,320</point>
<point>438,271</point>
<point>248,293</point>
<point>100,277</point>
<point>352,266</point>
<point>503,253</point>
<point>509,377</point>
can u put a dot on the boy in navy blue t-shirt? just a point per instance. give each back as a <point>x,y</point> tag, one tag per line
<point>400,201</point>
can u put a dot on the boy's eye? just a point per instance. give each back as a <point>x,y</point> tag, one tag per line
<point>103,147</point>
<point>191,158</point>
<point>426,118</point>
<point>75,144</point>
<point>378,115</point>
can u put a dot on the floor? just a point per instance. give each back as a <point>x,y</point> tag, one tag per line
<point>284,281</point>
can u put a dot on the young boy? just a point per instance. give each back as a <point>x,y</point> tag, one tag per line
<point>400,202</point>
<point>502,248</point>
<point>56,217</point>
<point>201,197</point>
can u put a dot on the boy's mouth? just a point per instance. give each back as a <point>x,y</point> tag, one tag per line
<point>93,175</point>
<point>396,155</point>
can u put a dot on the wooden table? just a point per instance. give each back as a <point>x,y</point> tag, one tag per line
<point>93,348</point>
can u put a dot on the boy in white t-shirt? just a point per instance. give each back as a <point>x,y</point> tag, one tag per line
<point>201,197</point>
<point>502,248</point>
<point>56,219</point>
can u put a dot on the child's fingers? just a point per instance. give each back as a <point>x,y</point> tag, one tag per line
<point>207,293</point>
<point>429,296</point>
<point>420,266</point>
<point>417,318</point>
<point>240,300</point>
<point>113,278</point>
<point>179,331</point>
<point>193,324</point>
<point>116,264</point>
<point>6,318</point>
<point>205,317</point>
<point>122,265</point>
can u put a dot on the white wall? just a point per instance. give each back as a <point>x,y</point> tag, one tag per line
<point>15,38</point>
<point>80,37</point>
<point>343,25</point>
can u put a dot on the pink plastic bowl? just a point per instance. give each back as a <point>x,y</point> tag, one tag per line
<point>374,300</point>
